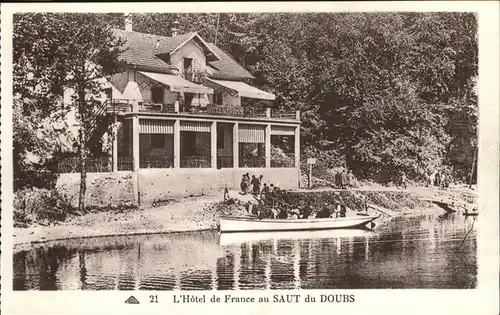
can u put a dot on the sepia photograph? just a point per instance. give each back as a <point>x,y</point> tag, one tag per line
<point>232,151</point>
<point>261,159</point>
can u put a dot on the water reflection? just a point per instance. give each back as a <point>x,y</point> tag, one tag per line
<point>405,252</point>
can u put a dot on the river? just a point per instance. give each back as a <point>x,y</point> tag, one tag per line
<point>423,251</point>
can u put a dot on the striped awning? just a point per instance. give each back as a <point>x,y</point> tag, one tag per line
<point>151,126</point>
<point>243,89</point>
<point>282,130</point>
<point>196,126</point>
<point>251,133</point>
<point>177,83</point>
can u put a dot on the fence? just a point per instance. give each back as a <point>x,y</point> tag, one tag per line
<point>252,161</point>
<point>126,163</point>
<point>195,161</point>
<point>283,161</point>
<point>156,161</point>
<point>225,161</point>
<point>92,165</point>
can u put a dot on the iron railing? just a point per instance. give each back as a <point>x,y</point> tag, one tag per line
<point>92,165</point>
<point>156,161</point>
<point>283,161</point>
<point>252,161</point>
<point>195,161</point>
<point>225,161</point>
<point>125,163</point>
<point>118,106</point>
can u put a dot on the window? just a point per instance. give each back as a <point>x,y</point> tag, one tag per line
<point>157,94</point>
<point>109,93</point>
<point>158,141</point>
<point>220,138</point>
<point>218,98</point>
<point>188,62</point>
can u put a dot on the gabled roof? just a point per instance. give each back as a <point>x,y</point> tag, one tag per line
<point>146,52</point>
<point>140,51</point>
<point>227,68</point>
<point>172,44</point>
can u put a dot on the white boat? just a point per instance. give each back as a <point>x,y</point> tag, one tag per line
<point>252,224</point>
<point>236,238</point>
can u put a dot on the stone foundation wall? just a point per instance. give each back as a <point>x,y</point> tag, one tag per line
<point>163,184</point>
<point>102,188</point>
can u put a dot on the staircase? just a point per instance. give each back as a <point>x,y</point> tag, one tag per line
<point>98,124</point>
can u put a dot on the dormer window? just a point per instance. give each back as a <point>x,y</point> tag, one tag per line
<point>188,62</point>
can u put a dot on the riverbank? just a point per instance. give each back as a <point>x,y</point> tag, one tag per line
<point>203,213</point>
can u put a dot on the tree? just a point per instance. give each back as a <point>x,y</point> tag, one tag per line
<point>54,53</point>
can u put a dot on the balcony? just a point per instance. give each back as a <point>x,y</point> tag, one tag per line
<point>123,106</point>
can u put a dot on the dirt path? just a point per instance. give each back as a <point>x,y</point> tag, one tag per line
<point>189,214</point>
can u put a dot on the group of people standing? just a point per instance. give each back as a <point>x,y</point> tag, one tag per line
<point>250,184</point>
<point>438,179</point>
<point>344,179</point>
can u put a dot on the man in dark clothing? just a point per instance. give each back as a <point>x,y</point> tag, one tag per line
<point>338,180</point>
<point>306,212</point>
<point>323,213</point>
<point>255,185</point>
<point>265,192</point>
<point>343,210</point>
<point>343,179</point>
<point>283,214</point>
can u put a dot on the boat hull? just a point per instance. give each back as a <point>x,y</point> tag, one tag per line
<point>242,224</point>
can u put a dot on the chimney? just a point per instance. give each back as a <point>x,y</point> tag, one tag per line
<point>128,22</point>
<point>175,28</point>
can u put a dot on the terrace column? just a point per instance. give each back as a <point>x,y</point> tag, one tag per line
<point>213,144</point>
<point>297,152</point>
<point>135,142</point>
<point>135,155</point>
<point>177,143</point>
<point>267,145</point>
<point>115,144</point>
<point>236,146</point>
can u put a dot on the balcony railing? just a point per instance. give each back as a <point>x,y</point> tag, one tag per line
<point>252,161</point>
<point>195,161</point>
<point>156,161</point>
<point>121,106</point>
<point>283,161</point>
<point>225,161</point>
<point>125,163</point>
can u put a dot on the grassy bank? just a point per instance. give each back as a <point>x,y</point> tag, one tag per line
<point>203,213</point>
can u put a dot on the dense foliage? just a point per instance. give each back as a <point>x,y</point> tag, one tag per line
<point>54,55</point>
<point>379,92</point>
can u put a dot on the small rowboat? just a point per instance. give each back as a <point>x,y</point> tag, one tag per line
<point>252,224</point>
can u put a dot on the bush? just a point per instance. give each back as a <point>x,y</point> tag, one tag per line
<point>43,206</point>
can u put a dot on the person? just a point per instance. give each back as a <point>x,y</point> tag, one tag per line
<point>351,179</point>
<point>437,179</point>
<point>324,212</point>
<point>255,185</point>
<point>264,192</point>
<point>247,182</point>
<point>294,213</point>
<point>338,180</point>
<point>343,179</point>
<point>283,214</point>
<point>305,212</point>
<point>403,180</point>
<point>243,185</point>
<point>343,211</point>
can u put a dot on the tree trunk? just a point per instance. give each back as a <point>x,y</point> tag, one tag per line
<point>83,152</point>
